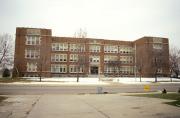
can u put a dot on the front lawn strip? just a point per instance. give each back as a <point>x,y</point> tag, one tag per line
<point>170,96</point>
<point>10,80</point>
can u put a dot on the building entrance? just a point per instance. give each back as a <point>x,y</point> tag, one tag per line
<point>94,70</point>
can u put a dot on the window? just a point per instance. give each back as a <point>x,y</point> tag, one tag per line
<point>108,69</point>
<point>32,54</point>
<point>77,47</point>
<point>123,49</point>
<point>73,57</point>
<point>126,59</point>
<point>95,59</point>
<point>94,48</point>
<point>127,69</point>
<point>110,49</point>
<point>74,69</point>
<point>57,68</point>
<point>59,57</point>
<point>159,70</point>
<point>33,40</point>
<point>59,47</point>
<point>108,58</point>
<point>157,46</point>
<point>123,69</point>
<point>31,67</point>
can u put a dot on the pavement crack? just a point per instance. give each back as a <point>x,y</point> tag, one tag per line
<point>10,114</point>
<point>104,114</point>
<point>99,111</point>
<point>33,104</point>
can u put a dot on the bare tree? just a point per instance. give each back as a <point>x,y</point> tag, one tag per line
<point>81,33</point>
<point>42,61</point>
<point>156,68</point>
<point>158,65</point>
<point>116,65</point>
<point>139,66</point>
<point>40,66</point>
<point>174,59</point>
<point>6,50</point>
<point>81,49</point>
<point>81,64</point>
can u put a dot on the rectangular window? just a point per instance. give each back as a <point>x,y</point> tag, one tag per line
<point>73,57</point>
<point>125,49</point>
<point>77,47</point>
<point>32,54</point>
<point>33,40</point>
<point>59,47</point>
<point>57,68</point>
<point>58,57</point>
<point>94,48</point>
<point>111,49</point>
<point>95,59</point>
<point>31,67</point>
<point>126,59</point>
<point>74,69</point>
<point>157,46</point>
<point>108,58</point>
<point>108,69</point>
<point>127,69</point>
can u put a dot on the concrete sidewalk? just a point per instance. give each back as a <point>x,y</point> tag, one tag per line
<point>102,106</point>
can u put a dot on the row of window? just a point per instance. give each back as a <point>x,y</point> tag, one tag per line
<point>122,69</point>
<point>77,47</point>
<point>56,68</point>
<point>63,58</point>
<point>59,47</point>
<point>110,49</point>
<point>92,48</point>
<point>107,58</point>
<point>35,54</point>
<point>36,40</point>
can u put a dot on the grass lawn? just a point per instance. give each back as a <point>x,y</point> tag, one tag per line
<point>170,96</point>
<point>10,80</point>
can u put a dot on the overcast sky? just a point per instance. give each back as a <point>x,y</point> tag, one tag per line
<point>108,19</point>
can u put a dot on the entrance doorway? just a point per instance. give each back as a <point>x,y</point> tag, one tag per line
<point>94,70</point>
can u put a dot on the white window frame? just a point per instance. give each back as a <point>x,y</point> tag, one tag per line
<point>94,59</point>
<point>33,40</point>
<point>58,68</point>
<point>32,54</point>
<point>31,67</point>
<point>110,49</point>
<point>74,69</point>
<point>95,48</point>
<point>59,46</point>
<point>59,58</point>
<point>73,58</point>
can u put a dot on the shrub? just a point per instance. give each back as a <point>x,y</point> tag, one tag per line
<point>6,73</point>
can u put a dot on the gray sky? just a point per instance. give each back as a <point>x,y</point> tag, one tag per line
<point>108,19</point>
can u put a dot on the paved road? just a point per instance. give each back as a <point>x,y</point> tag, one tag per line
<point>80,89</point>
